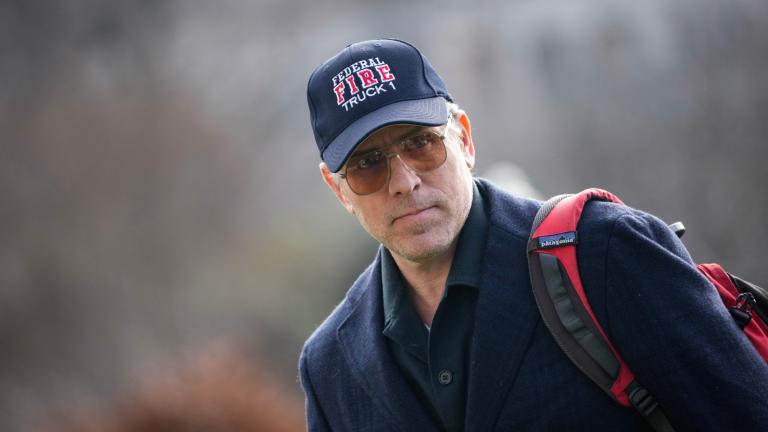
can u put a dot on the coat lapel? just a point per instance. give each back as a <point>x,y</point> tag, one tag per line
<point>505,318</point>
<point>374,368</point>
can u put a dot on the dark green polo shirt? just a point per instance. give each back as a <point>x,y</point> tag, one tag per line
<point>436,361</point>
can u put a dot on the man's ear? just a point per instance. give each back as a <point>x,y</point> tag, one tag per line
<point>336,188</point>
<point>467,145</point>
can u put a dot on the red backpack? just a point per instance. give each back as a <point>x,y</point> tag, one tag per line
<point>552,247</point>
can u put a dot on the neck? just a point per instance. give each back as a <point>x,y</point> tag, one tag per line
<point>426,281</point>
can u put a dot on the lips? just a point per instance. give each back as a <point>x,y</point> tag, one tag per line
<point>412,214</point>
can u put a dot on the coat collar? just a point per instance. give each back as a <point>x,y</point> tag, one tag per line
<point>505,315</point>
<point>365,350</point>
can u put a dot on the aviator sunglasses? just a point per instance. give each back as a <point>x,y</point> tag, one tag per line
<point>421,152</point>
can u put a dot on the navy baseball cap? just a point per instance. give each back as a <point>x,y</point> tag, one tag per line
<point>369,85</point>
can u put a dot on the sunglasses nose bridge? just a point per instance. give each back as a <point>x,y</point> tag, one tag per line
<point>397,155</point>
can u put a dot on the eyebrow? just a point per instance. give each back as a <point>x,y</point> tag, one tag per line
<point>415,129</point>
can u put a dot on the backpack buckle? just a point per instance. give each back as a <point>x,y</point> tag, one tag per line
<point>742,310</point>
<point>643,401</point>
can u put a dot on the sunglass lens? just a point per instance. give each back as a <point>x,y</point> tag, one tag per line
<point>424,152</point>
<point>367,173</point>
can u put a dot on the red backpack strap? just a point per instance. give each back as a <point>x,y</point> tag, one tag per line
<point>565,309</point>
<point>745,301</point>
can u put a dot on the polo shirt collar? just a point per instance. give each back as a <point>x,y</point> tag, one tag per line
<point>468,258</point>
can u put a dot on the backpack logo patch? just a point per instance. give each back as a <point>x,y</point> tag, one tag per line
<point>557,240</point>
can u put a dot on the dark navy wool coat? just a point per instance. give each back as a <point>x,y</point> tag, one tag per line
<point>665,319</point>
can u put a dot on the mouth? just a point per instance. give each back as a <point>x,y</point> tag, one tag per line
<point>414,214</point>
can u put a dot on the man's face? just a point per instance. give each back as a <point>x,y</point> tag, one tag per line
<point>417,216</point>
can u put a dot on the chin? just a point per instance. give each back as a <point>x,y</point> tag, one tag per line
<point>420,250</point>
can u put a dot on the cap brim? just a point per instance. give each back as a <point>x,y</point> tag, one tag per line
<point>427,112</point>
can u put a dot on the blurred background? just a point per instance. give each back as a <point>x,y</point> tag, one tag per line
<point>167,244</point>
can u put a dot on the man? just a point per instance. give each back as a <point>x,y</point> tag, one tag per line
<point>441,331</point>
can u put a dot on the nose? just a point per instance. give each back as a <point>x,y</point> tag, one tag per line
<point>402,179</point>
